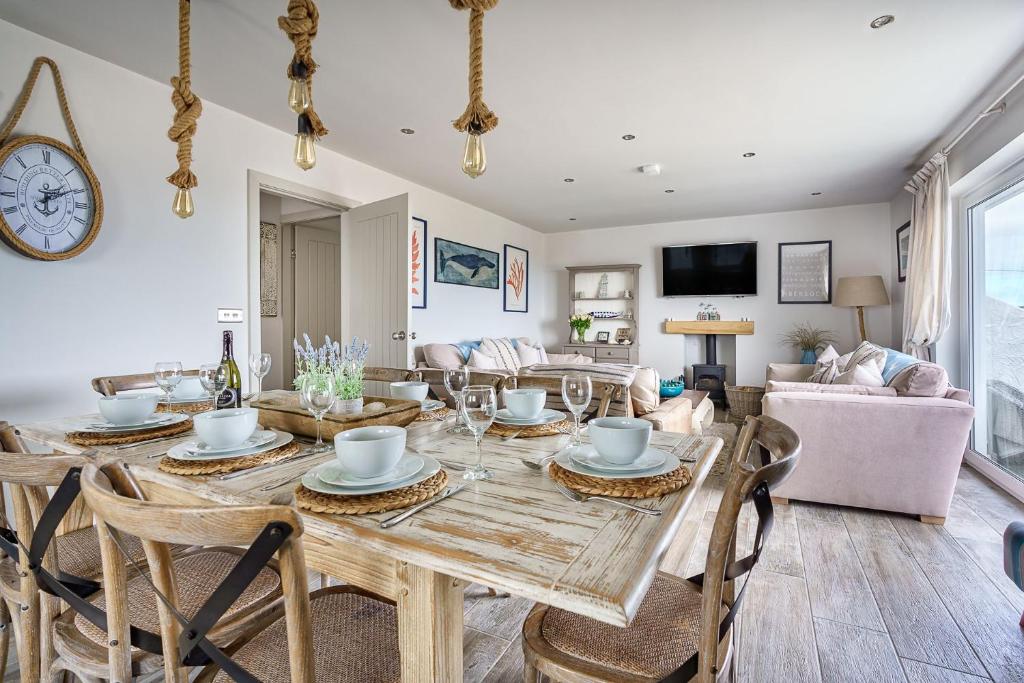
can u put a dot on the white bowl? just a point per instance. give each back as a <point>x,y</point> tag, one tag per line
<point>410,391</point>
<point>619,440</point>
<point>525,404</point>
<point>188,388</point>
<point>127,409</point>
<point>367,452</point>
<point>225,428</point>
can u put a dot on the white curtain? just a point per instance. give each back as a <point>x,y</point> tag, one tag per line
<point>926,300</point>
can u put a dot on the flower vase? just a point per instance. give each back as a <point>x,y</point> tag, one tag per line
<point>347,406</point>
<point>809,357</point>
<point>580,336</point>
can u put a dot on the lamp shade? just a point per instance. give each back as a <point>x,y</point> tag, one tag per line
<point>864,290</point>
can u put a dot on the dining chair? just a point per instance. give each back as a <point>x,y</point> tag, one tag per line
<point>683,629</point>
<point>376,380</point>
<point>108,386</point>
<point>435,378</point>
<point>335,634</point>
<point>603,393</point>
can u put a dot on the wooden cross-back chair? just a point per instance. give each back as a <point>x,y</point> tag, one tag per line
<point>376,379</point>
<point>602,393</point>
<point>108,386</point>
<point>435,378</point>
<point>683,629</point>
<point>341,633</point>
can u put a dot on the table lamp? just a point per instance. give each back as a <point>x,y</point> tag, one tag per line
<point>858,292</point>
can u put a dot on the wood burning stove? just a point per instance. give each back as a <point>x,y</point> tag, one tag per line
<point>710,376</point>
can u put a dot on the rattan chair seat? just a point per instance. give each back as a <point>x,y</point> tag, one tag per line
<point>355,638</point>
<point>78,552</point>
<point>664,633</point>
<point>198,574</point>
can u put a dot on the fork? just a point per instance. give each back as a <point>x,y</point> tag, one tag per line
<point>582,498</point>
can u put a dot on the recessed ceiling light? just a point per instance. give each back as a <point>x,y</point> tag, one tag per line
<point>572,219</point>
<point>569,180</point>
<point>884,20</point>
<point>629,136</point>
<point>408,131</point>
<point>669,191</point>
<point>815,194</point>
<point>747,155</point>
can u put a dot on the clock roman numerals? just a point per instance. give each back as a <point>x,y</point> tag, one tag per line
<point>10,209</point>
<point>7,194</point>
<point>21,229</point>
<point>79,190</point>
<point>46,156</point>
<point>46,242</point>
<point>80,220</point>
<point>81,205</point>
<point>18,159</point>
<point>10,178</point>
<point>70,171</point>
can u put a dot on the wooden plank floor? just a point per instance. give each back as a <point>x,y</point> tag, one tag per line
<point>840,595</point>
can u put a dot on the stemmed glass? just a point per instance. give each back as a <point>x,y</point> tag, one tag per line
<point>478,406</point>
<point>213,377</point>
<point>455,380</point>
<point>319,396</point>
<point>167,376</point>
<point>259,366</point>
<point>576,392</point>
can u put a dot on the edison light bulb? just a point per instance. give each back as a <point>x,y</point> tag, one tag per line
<point>305,151</point>
<point>474,160</point>
<point>182,205</point>
<point>298,96</point>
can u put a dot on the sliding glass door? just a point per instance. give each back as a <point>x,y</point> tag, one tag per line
<point>996,332</point>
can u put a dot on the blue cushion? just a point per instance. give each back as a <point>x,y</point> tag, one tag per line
<point>467,346</point>
<point>895,363</point>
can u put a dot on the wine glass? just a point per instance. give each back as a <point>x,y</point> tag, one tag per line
<point>259,366</point>
<point>318,393</point>
<point>167,375</point>
<point>213,377</point>
<point>455,380</point>
<point>576,392</point>
<point>478,406</point>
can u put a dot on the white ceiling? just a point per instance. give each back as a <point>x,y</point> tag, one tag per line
<point>828,104</point>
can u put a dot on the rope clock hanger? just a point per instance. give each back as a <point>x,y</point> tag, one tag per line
<point>300,25</point>
<point>478,118</point>
<point>187,108</point>
<point>51,207</point>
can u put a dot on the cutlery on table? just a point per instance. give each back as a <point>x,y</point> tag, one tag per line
<point>512,435</point>
<point>583,498</point>
<point>402,516</point>
<point>539,464</point>
<point>301,455</point>
<point>454,465</point>
<point>123,446</point>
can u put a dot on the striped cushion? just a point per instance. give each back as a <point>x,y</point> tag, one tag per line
<point>502,350</point>
<point>867,353</point>
<point>825,372</point>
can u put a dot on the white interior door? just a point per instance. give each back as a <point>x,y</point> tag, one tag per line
<point>375,281</point>
<point>317,284</point>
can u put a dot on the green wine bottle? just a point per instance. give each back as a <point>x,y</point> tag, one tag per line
<point>231,397</point>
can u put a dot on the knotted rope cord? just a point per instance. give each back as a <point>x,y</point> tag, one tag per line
<point>301,25</point>
<point>187,107</point>
<point>477,118</point>
<point>26,93</point>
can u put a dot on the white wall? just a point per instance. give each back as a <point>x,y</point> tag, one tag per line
<point>861,245</point>
<point>148,288</point>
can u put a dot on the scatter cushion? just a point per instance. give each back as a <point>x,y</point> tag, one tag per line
<point>531,355</point>
<point>443,356</point>
<point>866,354</point>
<point>825,372</point>
<point>922,379</point>
<point>829,354</point>
<point>774,386</point>
<point>645,391</point>
<point>482,361</point>
<point>895,363</point>
<point>503,351</point>
<point>866,375</point>
<point>831,368</point>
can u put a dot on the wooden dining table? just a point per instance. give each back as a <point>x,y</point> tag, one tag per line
<point>515,533</point>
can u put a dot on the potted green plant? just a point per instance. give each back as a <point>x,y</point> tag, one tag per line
<point>809,339</point>
<point>580,323</point>
<point>332,365</point>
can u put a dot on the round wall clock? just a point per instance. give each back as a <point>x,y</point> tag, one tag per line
<point>50,202</point>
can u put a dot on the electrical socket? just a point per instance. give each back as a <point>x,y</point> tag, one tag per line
<point>229,315</point>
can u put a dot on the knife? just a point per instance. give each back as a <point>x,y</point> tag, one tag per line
<point>402,516</point>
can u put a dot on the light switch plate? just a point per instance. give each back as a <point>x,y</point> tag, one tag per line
<point>229,315</point>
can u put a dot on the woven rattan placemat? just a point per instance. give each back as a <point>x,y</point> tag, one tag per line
<point>187,408</point>
<point>375,502</point>
<point>641,487</point>
<point>438,415</point>
<point>96,439</point>
<point>224,465</point>
<point>560,427</point>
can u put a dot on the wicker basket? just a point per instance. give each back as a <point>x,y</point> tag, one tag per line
<point>744,401</point>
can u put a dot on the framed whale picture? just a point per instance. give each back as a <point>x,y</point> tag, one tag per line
<point>461,264</point>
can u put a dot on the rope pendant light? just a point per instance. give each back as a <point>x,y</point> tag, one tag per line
<point>300,25</point>
<point>477,119</point>
<point>187,108</point>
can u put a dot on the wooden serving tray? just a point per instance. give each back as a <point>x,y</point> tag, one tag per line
<point>281,410</point>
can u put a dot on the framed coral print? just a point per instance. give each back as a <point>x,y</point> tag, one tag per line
<point>418,263</point>
<point>517,279</point>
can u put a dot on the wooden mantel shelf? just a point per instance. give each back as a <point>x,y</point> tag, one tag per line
<point>709,327</point>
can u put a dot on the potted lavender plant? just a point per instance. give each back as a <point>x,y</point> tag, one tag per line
<point>332,365</point>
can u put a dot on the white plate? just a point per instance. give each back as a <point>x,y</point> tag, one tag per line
<point>333,473</point>
<point>547,416</point>
<point>152,422</point>
<point>311,480</point>
<point>431,404</point>
<point>175,401</point>
<point>179,452</point>
<point>564,458</point>
<point>589,457</point>
<point>258,438</point>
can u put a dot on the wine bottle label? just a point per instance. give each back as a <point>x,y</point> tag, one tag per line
<point>229,398</point>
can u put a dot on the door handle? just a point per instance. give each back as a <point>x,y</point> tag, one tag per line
<point>398,336</point>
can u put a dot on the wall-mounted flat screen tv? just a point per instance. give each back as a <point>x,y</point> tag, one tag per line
<point>728,269</point>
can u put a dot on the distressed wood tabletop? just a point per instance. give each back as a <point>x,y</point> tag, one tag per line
<point>514,533</point>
